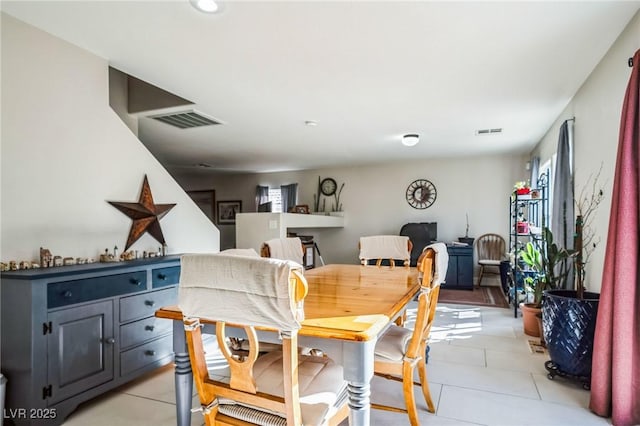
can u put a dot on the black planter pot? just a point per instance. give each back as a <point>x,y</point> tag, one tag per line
<point>466,240</point>
<point>569,325</point>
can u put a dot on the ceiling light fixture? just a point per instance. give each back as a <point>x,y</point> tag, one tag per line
<point>206,6</point>
<point>410,139</point>
<point>311,123</point>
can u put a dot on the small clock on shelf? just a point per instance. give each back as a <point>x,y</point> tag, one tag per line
<point>421,194</point>
<point>328,186</point>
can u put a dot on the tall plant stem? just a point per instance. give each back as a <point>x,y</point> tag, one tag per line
<point>577,245</point>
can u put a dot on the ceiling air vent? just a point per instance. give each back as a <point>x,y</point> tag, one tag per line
<point>185,119</point>
<point>488,131</point>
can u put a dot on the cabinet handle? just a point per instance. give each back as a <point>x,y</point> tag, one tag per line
<point>136,282</point>
<point>110,341</point>
<point>150,353</point>
<point>149,328</point>
<point>67,294</point>
<point>162,277</point>
<point>149,302</point>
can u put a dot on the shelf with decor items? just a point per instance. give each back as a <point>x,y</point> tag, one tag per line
<point>71,333</point>
<point>528,215</point>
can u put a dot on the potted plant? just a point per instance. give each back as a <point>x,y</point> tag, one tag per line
<point>534,283</point>
<point>569,315</point>
<point>466,239</point>
<point>545,269</point>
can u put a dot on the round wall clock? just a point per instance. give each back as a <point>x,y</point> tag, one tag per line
<point>421,194</point>
<point>328,186</point>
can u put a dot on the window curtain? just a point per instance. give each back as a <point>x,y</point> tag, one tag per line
<point>615,376</point>
<point>535,172</point>
<point>562,215</point>
<point>262,195</point>
<point>289,195</point>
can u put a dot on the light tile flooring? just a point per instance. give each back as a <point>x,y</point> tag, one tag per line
<point>481,372</point>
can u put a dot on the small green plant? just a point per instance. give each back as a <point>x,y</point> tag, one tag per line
<point>547,265</point>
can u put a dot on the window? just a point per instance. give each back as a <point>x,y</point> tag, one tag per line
<point>275,196</point>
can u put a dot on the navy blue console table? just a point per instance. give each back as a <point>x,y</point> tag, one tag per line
<point>71,333</point>
<point>460,271</point>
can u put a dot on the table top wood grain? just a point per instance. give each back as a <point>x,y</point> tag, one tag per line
<point>348,302</point>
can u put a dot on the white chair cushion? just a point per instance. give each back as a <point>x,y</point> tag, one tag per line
<point>489,262</point>
<point>393,343</point>
<point>321,386</point>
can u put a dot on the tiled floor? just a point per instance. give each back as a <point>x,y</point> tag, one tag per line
<point>481,372</point>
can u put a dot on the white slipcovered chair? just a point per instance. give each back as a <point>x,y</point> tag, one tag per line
<point>277,388</point>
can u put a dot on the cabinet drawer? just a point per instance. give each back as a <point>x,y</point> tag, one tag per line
<point>141,331</point>
<point>69,292</point>
<point>145,305</point>
<point>165,276</point>
<point>146,354</point>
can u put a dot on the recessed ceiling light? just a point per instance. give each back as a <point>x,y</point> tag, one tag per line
<point>410,139</point>
<point>311,123</point>
<point>206,6</point>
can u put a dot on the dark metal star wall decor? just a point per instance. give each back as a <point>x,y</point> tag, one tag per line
<point>145,214</point>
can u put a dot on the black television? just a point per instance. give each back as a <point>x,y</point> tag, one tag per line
<point>421,235</point>
<point>265,207</point>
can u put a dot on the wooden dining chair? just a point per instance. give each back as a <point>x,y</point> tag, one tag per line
<point>400,350</point>
<point>289,248</point>
<point>276,388</point>
<point>385,247</point>
<point>490,249</point>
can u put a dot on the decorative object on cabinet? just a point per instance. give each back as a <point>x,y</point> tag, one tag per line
<point>206,200</point>
<point>93,325</point>
<point>466,239</point>
<point>145,214</point>
<point>421,194</point>
<point>227,211</point>
<point>525,214</point>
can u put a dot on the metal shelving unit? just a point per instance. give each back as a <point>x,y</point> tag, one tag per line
<point>528,214</point>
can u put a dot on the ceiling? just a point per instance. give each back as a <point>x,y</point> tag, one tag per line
<point>366,71</point>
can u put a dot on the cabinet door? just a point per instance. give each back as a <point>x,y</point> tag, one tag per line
<point>81,349</point>
<point>451,279</point>
<point>465,271</point>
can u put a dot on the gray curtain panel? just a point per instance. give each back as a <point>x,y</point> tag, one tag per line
<point>535,172</point>
<point>262,195</point>
<point>289,195</point>
<point>563,215</point>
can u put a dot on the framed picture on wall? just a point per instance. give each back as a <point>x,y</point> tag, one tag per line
<point>227,211</point>
<point>206,200</point>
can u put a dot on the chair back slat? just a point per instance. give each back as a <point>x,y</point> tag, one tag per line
<point>490,247</point>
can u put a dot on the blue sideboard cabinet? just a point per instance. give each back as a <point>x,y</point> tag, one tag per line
<point>460,270</point>
<point>71,333</point>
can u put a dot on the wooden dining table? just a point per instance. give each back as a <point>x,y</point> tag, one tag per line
<point>346,309</point>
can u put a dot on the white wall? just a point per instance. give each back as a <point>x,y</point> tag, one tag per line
<point>374,198</point>
<point>597,107</point>
<point>65,153</point>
